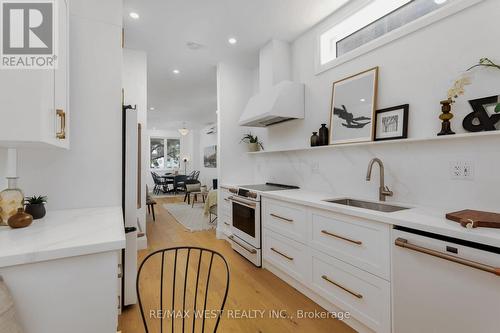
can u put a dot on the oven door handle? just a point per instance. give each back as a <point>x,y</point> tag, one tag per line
<point>252,251</point>
<point>243,203</point>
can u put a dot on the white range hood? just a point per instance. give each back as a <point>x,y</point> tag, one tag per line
<point>279,99</point>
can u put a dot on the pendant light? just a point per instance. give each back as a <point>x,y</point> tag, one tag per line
<point>183,131</point>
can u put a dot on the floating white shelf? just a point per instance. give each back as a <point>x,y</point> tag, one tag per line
<point>373,143</point>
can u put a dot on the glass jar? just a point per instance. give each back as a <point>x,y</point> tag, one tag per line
<point>11,199</point>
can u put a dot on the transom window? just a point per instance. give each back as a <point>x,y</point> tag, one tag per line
<point>377,23</point>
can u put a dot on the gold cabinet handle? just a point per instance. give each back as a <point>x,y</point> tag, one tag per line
<point>281,254</point>
<point>281,218</point>
<point>327,279</point>
<point>401,242</point>
<point>62,115</point>
<point>341,237</point>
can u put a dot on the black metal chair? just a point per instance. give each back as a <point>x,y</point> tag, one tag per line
<point>179,183</point>
<point>161,183</point>
<point>190,263</point>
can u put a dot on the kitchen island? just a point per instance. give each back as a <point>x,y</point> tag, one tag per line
<point>62,271</point>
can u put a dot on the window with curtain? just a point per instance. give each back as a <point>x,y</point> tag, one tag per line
<point>165,153</point>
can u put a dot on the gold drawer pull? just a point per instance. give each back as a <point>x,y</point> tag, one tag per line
<point>281,254</point>
<point>324,277</point>
<point>282,218</point>
<point>341,237</point>
<point>62,134</point>
<point>228,224</point>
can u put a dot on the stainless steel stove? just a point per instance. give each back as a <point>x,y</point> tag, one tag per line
<point>246,218</point>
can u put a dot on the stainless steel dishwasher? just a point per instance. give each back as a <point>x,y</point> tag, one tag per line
<point>444,285</point>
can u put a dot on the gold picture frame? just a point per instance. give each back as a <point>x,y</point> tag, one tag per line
<point>353,106</point>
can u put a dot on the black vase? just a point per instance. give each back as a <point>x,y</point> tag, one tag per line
<point>323,135</point>
<point>314,139</point>
<point>36,210</point>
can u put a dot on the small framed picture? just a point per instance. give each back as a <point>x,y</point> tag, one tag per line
<point>392,123</point>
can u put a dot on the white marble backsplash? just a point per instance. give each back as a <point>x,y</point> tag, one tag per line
<point>417,172</point>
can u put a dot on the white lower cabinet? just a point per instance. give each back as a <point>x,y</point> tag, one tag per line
<point>290,256</point>
<point>364,295</point>
<point>341,262</point>
<point>224,218</point>
<point>76,294</point>
<point>364,244</point>
<point>286,219</point>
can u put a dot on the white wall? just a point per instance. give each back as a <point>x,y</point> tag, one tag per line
<point>89,174</point>
<point>417,69</point>
<point>235,86</point>
<point>135,88</point>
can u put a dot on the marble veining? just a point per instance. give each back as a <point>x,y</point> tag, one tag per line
<point>418,217</point>
<point>62,234</point>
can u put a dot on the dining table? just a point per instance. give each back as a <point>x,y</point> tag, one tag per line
<point>172,177</point>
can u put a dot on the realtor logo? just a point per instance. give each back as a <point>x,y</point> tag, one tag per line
<point>28,34</point>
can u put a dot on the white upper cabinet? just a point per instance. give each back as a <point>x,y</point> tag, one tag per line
<point>34,103</point>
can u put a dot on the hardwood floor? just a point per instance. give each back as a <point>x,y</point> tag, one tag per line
<point>251,288</point>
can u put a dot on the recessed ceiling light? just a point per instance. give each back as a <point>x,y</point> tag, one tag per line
<point>194,46</point>
<point>134,15</point>
<point>152,109</point>
<point>176,71</point>
<point>232,41</point>
<point>362,100</point>
<point>440,2</point>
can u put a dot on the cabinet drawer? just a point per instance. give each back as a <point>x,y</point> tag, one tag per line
<point>286,219</point>
<point>364,295</point>
<point>224,224</point>
<point>225,203</point>
<point>364,244</point>
<point>290,256</point>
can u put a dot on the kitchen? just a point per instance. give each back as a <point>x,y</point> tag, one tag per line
<point>354,226</point>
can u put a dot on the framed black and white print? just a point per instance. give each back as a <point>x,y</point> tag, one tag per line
<point>354,101</point>
<point>392,123</point>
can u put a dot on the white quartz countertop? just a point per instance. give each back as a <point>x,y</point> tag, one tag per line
<point>63,234</point>
<point>418,217</point>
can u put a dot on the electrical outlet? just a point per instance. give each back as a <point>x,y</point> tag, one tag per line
<point>462,170</point>
<point>315,167</point>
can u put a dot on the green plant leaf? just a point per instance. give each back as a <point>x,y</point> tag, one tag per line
<point>497,108</point>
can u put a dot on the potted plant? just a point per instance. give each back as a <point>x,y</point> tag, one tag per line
<point>252,142</point>
<point>35,206</point>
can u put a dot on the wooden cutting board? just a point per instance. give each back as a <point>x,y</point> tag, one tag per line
<point>475,219</point>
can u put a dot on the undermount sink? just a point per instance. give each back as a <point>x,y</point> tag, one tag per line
<point>380,207</point>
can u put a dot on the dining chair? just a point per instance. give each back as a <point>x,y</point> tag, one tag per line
<point>156,181</point>
<point>177,287</point>
<point>179,183</point>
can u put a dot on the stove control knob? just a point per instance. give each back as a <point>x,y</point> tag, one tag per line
<point>233,190</point>
<point>252,195</point>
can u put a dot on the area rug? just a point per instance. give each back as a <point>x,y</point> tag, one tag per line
<point>191,218</point>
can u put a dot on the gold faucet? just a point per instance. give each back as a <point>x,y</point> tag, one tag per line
<point>383,190</point>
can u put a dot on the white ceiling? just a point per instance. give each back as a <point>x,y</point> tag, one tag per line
<point>165,26</point>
